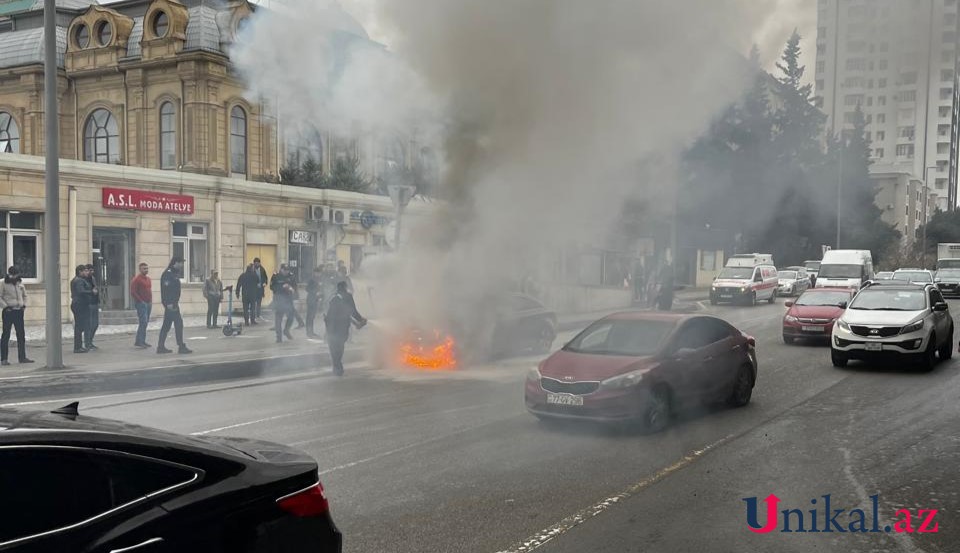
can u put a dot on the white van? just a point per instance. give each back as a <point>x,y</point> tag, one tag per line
<point>746,278</point>
<point>845,269</point>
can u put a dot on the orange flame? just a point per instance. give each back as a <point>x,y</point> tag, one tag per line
<point>435,357</point>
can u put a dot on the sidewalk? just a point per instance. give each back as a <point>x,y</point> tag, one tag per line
<point>118,366</point>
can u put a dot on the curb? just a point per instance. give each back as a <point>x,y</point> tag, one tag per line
<point>53,385</point>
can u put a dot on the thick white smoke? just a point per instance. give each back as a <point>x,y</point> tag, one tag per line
<point>545,109</point>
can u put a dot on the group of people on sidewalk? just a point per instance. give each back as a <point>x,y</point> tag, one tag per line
<point>329,291</point>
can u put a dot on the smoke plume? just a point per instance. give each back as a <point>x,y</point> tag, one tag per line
<point>549,114</point>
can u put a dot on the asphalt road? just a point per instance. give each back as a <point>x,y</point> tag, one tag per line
<point>451,462</point>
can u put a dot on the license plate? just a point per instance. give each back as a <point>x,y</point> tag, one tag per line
<point>871,346</point>
<point>726,296</point>
<point>564,399</point>
<point>812,328</point>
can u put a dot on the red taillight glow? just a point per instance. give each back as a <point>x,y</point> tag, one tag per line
<point>310,502</point>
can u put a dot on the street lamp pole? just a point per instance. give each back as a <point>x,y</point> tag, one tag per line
<point>843,147</point>
<point>51,225</point>
<point>926,201</point>
<point>400,194</point>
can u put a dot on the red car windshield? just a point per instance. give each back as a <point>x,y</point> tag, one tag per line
<point>816,297</point>
<point>621,337</point>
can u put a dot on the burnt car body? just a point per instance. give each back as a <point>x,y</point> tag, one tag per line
<point>88,485</point>
<point>506,325</point>
<point>643,367</point>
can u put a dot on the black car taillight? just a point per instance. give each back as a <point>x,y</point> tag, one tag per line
<point>310,502</point>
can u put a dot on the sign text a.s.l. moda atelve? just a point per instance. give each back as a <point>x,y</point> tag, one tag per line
<point>141,200</point>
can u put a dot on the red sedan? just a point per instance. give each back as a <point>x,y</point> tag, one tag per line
<point>642,367</point>
<point>813,314</point>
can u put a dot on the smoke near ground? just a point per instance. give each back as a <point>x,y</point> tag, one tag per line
<point>543,110</point>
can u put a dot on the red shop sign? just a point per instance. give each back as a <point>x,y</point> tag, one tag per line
<point>140,200</point>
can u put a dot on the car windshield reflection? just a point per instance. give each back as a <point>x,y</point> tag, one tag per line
<point>621,337</point>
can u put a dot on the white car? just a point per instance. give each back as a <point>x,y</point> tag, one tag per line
<point>894,320</point>
<point>916,276</point>
<point>792,282</point>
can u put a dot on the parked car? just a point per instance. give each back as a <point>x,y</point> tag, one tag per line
<point>948,281</point>
<point>75,483</point>
<point>812,315</point>
<point>916,276</point>
<point>894,320</point>
<point>792,282</point>
<point>641,367</point>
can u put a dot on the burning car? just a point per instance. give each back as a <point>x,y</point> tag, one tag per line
<point>516,323</point>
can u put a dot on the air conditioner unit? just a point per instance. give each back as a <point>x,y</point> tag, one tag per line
<point>340,216</point>
<point>318,213</point>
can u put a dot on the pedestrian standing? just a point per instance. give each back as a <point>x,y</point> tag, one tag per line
<point>665,294</point>
<point>170,298</point>
<point>94,308</point>
<point>141,290</point>
<point>340,314</point>
<point>314,300</point>
<point>213,291</point>
<point>282,287</point>
<point>248,288</point>
<point>263,280</point>
<point>80,293</point>
<point>13,302</point>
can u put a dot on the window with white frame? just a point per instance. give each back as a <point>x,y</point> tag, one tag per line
<point>20,243</point>
<point>190,244</point>
<point>238,141</point>
<point>168,136</point>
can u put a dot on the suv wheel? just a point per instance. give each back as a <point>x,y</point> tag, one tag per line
<point>946,349</point>
<point>838,359</point>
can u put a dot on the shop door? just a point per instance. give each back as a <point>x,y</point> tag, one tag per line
<point>268,258</point>
<point>113,266</point>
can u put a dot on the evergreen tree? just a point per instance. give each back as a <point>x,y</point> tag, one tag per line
<point>346,175</point>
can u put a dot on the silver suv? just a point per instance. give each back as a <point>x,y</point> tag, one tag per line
<point>894,320</point>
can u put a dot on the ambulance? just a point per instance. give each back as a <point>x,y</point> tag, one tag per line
<point>746,278</point>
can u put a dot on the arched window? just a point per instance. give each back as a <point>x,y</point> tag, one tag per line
<point>168,136</point>
<point>238,141</point>
<point>101,138</point>
<point>9,134</point>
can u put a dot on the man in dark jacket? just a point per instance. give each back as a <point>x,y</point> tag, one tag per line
<point>340,314</point>
<point>314,299</point>
<point>248,289</point>
<point>170,298</point>
<point>283,289</point>
<point>94,307</point>
<point>263,280</point>
<point>80,293</point>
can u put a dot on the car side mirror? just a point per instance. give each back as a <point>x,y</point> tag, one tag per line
<point>842,305</point>
<point>940,306</point>
<point>788,304</point>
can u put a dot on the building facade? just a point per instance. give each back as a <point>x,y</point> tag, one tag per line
<point>897,61</point>
<point>162,154</point>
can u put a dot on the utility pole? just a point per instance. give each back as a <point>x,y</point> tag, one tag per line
<point>51,219</point>
<point>400,194</point>
<point>843,148</point>
<point>926,200</point>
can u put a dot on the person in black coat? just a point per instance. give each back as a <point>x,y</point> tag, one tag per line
<point>170,298</point>
<point>340,314</point>
<point>94,307</point>
<point>80,299</point>
<point>248,289</point>
<point>282,286</point>
<point>264,280</point>
<point>314,299</point>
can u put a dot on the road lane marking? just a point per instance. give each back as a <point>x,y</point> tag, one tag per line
<point>288,415</point>
<point>407,447</point>
<point>543,537</point>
